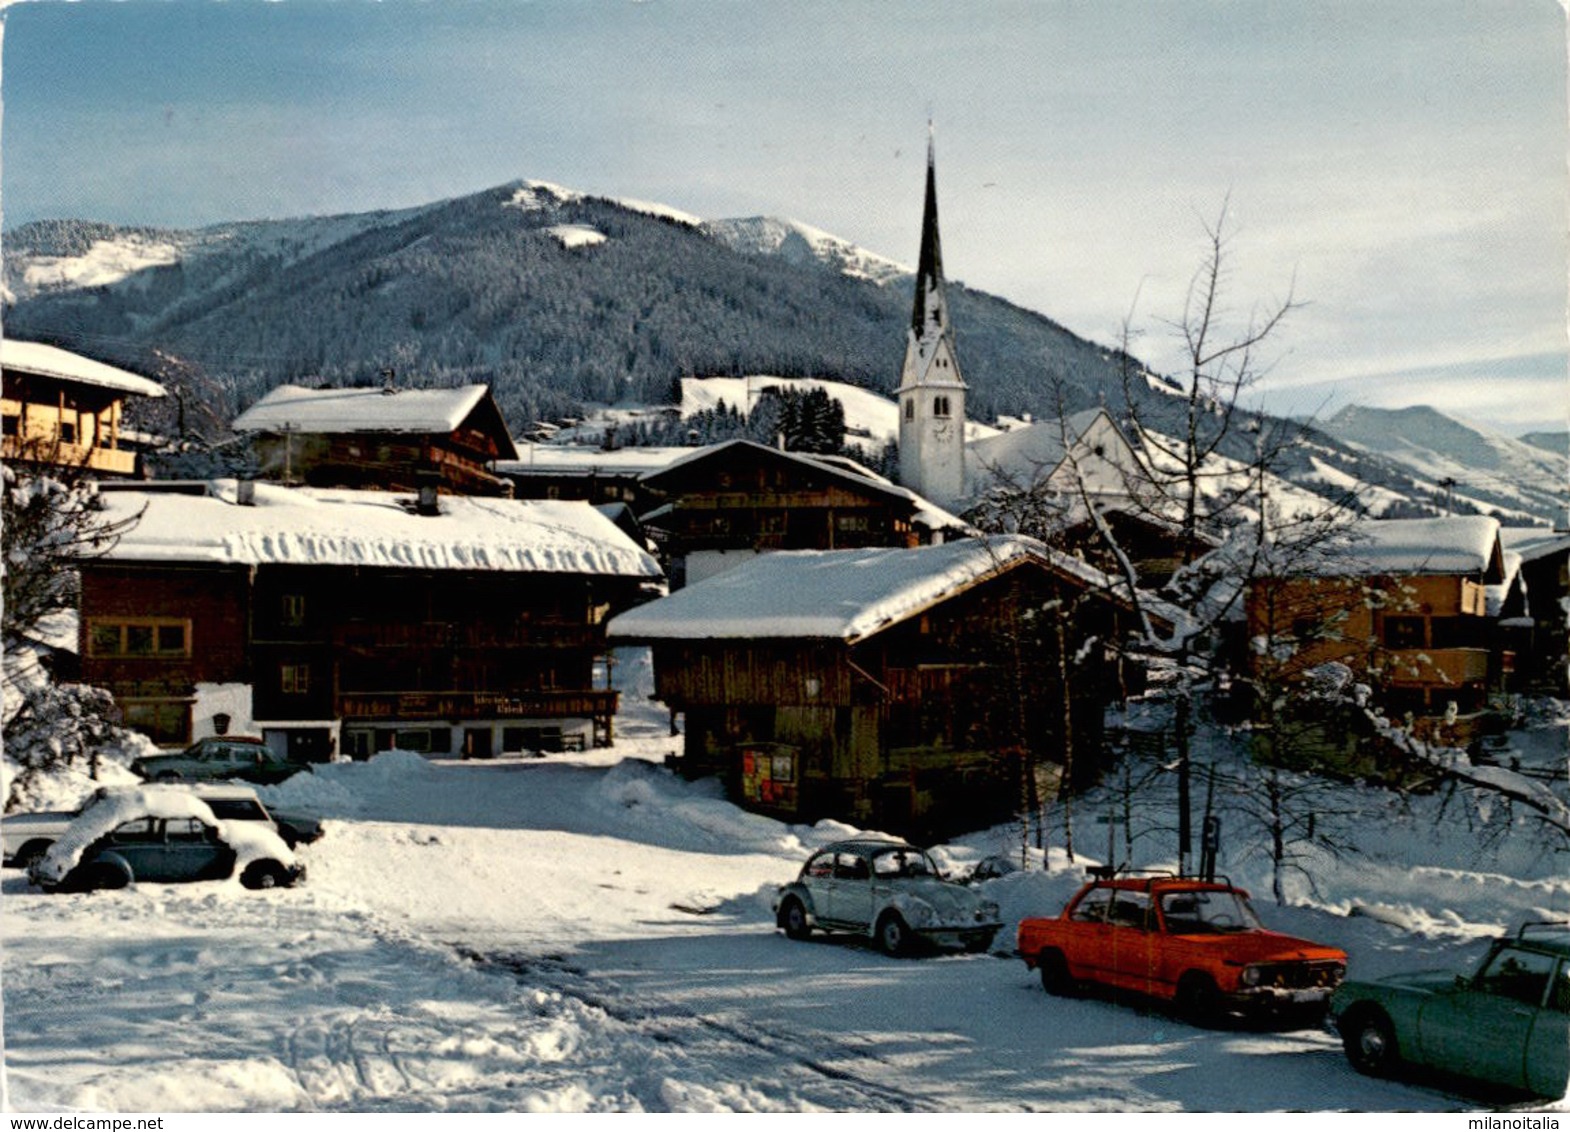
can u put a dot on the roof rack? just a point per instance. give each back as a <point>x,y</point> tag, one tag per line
<point>1112,872</point>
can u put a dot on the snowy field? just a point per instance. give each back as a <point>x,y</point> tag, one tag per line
<point>590,933</point>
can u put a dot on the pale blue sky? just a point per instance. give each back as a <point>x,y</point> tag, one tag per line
<point>1405,162</point>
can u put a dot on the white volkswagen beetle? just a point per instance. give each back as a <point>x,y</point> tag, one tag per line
<point>889,891</point>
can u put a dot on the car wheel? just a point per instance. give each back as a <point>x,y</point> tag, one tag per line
<point>1370,1042</point>
<point>1198,1000</point>
<point>1055,977</point>
<point>978,944</point>
<point>167,776</point>
<point>892,935</point>
<point>264,874</point>
<point>101,876</point>
<point>30,852</point>
<point>793,918</point>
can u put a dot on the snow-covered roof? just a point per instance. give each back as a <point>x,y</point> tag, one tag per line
<point>1533,543</point>
<point>926,513</point>
<point>338,527</point>
<point>294,408</point>
<point>1465,544</point>
<point>587,460</point>
<point>51,361</point>
<point>846,595</point>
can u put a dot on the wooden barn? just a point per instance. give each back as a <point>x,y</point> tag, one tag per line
<point>61,408</point>
<point>358,620</point>
<point>915,690</point>
<point>729,502</point>
<point>381,438</point>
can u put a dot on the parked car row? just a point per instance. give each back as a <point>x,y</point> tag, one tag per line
<point>1199,947</point>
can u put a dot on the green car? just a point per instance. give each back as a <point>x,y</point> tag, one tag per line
<point>1508,1024</point>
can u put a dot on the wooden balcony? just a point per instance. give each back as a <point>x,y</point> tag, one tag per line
<point>549,633</point>
<point>578,703</point>
<point>1429,668</point>
<point>105,461</point>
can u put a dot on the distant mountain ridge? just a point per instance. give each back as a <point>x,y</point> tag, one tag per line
<point>560,301</point>
<point>1487,471</point>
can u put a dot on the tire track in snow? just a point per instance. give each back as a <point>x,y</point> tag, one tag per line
<point>823,1084</point>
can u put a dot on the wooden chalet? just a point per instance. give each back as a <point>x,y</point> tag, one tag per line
<point>357,620</point>
<point>61,408</point>
<point>1544,569</point>
<point>918,690</point>
<point>1404,605</point>
<point>382,438</point>
<point>729,502</point>
<point>591,473</point>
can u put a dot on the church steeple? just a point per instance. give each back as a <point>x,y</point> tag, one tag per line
<point>929,315</point>
<point>931,391</point>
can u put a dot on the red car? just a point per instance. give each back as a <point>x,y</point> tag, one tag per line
<point>1195,944</point>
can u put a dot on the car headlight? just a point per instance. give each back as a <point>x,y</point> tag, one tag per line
<point>1251,976</point>
<point>988,910</point>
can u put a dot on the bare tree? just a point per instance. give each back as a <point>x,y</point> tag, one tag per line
<point>50,519</point>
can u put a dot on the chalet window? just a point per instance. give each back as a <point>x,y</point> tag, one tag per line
<point>1456,632</point>
<point>67,432</point>
<point>940,406</point>
<point>910,408</point>
<point>13,426</point>
<point>139,637</point>
<point>167,722</point>
<point>852,523</point>
<point>295,679</point>
<point>291,610</point>
<point>1404,632</point>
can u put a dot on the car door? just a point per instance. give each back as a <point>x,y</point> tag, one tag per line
<point>1130,924</point>
<point>1482,1027</point>
<point>139,843</point>
<point>192,851</point>
<point>1548,1049</point>
<point>850,891</point>
<point>1091,957</point>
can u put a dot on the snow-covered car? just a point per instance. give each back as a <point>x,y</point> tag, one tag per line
<point>26,837</point>
<point>889,891</point>
<point>1507,1024</point>
<point>161,834</point>
<point>215,759</point>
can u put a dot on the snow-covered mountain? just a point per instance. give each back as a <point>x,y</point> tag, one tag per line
<point>561,301</point>
<point>1471,466</point>
<point>795,242</point>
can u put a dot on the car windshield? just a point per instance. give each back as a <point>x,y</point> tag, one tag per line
<point>1203,912</point>
<point>903,862</point>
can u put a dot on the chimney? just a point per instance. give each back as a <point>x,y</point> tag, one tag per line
<point>245,491</point>
<point>427,483</point>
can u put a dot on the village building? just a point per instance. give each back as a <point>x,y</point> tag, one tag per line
<point>382,438</point>
<point>726,503</point>
<point>1543,662</point>
<point>356,621</point>
<point>931,393</point>
<point>63,409</point>
<point>588,472</point>
<point>917,690</point>
<point>1404,606</point>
